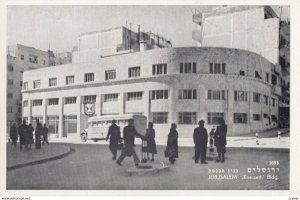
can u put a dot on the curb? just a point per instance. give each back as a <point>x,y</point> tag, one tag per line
<point>36,162</point>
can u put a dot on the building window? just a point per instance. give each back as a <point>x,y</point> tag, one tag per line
<point>256,97</point>
<point>110,74</point>
<point>34,118</point>
<point>52,102</point>
<point>22,57</point>
<point>217,68</point>
<point>19,109</point>
<point>36,84</point>
<point>9,95</point>
<point>158,69</point>
<point>240,96</point>
<point>70,124</point>
<point>214,117</point>
<point>25,103</point>
<point>242,72</point>
<point>160,117</point>
<point>187,118</point>
<point>111,97</point>
<point>88,77</point>
<point>257,75</point>
<point>134,72</point>
<point>133,96</point>
<point>266,99</point>
<point>10,67</point>
<point>240,118</point>
<point>52,82</point>
<point>186,68</point>
<point>53,124</point>
<point>256,117</point>
<point>10,81</point>
<point>37,102</point>
<point>89,99</point>
<point>70,100</point>
<point>33,59</point>
<point>21,83</point>
<point>159,94</point>
<point>273,102</point>
<point>267,77</point>
<point>9,109</point>
<point>25,85</point>
<point>69,80</point>
<point>187,94</point>
<point>274,79</point>
<point>216,94</point>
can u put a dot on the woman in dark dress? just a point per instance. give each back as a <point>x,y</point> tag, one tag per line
<point>151,145</point>
<point>172,144</point>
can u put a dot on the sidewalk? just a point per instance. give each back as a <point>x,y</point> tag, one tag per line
<point>16,158</point>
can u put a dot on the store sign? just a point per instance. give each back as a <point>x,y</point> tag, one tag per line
<point>89,109</point>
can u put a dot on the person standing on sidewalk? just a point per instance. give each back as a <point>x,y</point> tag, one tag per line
<point>45,134</point>
<point>129,134</point>
<point>220,140</point>
<point>38,134</point>
<point>172,144</point>
<point>13,133</point>
<point>151,145</point>
<point>114,136</point>
<point>23,129</point>
<point>200,139</point>
<point>30,132</point>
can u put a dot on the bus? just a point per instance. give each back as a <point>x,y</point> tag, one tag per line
<point>98,125</point>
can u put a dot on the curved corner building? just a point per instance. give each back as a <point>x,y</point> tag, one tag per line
<point>180,85</point>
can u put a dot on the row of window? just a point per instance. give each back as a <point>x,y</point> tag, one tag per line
<point>212,117</point>
<point>182,94</point>
<point>157,69</point>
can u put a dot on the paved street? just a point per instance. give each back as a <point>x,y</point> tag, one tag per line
<point>91,167</point>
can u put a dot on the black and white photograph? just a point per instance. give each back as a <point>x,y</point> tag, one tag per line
<point>148,97</point>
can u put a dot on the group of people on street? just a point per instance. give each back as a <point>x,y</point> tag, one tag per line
<point>200,137</point>
<point>218,137</point>
<point>26,137</point>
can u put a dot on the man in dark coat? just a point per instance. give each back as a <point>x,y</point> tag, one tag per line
<point>38,134</point>
<point>114,136</point>
<point>23,129</point>
<point>220,140</point>
<point>172,144</point>
<point>129,133</point>
<point>13,133</point>
<point>200,139</point>
<point>45,132</point>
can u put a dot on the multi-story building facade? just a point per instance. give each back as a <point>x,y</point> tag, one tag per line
<point>19,59</point>
<point>167,85</point>
<point>253,28</point>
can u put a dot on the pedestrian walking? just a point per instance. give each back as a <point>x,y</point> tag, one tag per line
<point>30,135</point>
<point>38,134</point>
<point>13,133</point>
<point>200,139</point>
<point>45,132</point>
<point>114,136</point>
<point>211,139</point>
<point>150,137</point>
<point>129,134</point>
<point>220,140</point>
<point>23,129</point>
<point>172,144</point>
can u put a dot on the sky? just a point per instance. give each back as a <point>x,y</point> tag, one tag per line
<point>58,27</point>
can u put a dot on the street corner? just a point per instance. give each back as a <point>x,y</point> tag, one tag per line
<point>17,158</point>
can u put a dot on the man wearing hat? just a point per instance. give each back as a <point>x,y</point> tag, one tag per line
<point>200,140</point>
<point>114,136</point>
<point>220,140</point>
